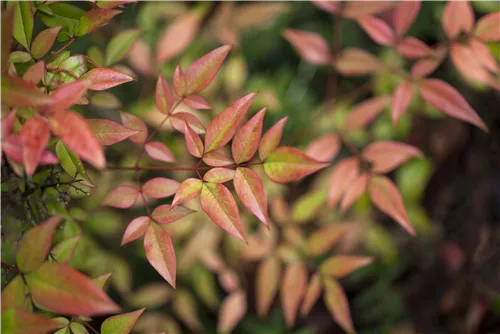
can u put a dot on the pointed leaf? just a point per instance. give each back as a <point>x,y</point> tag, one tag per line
<point>342,265</point>
<point>287,164</point>
<point>159,151</point>
<point>17,92</point>
<point>58,288</point>
<point>197,102</point>
<point>404,15</point>
<point>23,23</point>
<point>271,139</point>
<point>232,310</point>
<point>160,187</point>
<point>109,132</point>
<point>354,9</point>
<point>250,190</point>
<point>164,96</point>
<point>121,197</point>
<point>140,57</point>
<point>105,78</point>
<point>331,7</point>
<point>94,19</point>
<point>378,30</point>
<point>193,142</point>
<point>101,280</point>
<point>135,123</point>
<point>426,66</point>
<point>356,62</point>
<point>312,47</point>
<point>35,72</point>
<point>218,175</point>
<point>160,252</point>
<point>219,204</point>
<point>246,140</point>
<point>188,189</point>
<point>487,27</point>
<point>387,155</point>
<point>312,294</point>
<point>43,42</point>
<point>135,229</point>
<point>343,174</point>
<point>35,245</point>
<point>483,54</point>
<point>457,16</point>
<point>177,36</point>
<point>119,45</point>
<point>63,251</point>
<point>267,283</point>
<point>217,159</point>
<point>14,294</point>
<point>179,119</point>
<point>324,148</point>
<point>468,64</point>
<point>413,48</point>
<point>35,135</point>
<point>336,302</point>
<point>180,83</point>
<point>17,321</point>
<point>292,290</point>
<point>166,214</point>
<point>354,191</point>
<point>365,112</point>
<point>67,95</point>
<point>121,323</point>
<point>323,239</point>
<point>401,100</point>
<point>386,197</point>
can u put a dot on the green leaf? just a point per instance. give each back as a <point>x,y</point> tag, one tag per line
<point>23,23</point>
<point>44,41</point>
<point>14,294</point>
<point>307,206</point>
<point>77,328</point>
<point>122,323</point>
<point>64,250</point>
<point>20,57</point>
<point>94,19</point>
<point>16,321</point>
<point>96,55</point>
<point>72,164</point>
<point>65,15</point>
<point>205,287</point>
<point>119,46</point>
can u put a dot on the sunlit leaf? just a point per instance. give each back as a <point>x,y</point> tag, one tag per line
<point>307,206</point>
<point>312,294</point>
<point>312,47</point>
<point>121,197</point>
<point>113,4</point>
<point>105,78</point>
<point>486,27</point>
<point>336,302</point>
<point>164,96</point>
<point>18,321</point>
<point>246,140</point>
<point>94,19</point>
<point>160,252</point>
<point>119,46</point>
<point>483,54</point>
<point>339,266</point>
<point>218,175</point>
<point>135,123</point>
<point>266,284</point>
<point>159,151</point>
<point>343,174</point>
<point>135,229</point>
<point>101,280</point>
<point>188,189</point>
<point>109,132</point>
<point>121,323</point>
<point>292,290</point>
<point>72,164</point>
<point>44,41</point>
<point>387,155</point>
<point>177,36</point>
<point>166,214</point>
<point>232,310</point>
<point>160,187</point>
<point>193,142</point>
<point>324,148</point>
<point>179,81</point>
<point>35,135</point>
<point>468,64</point>
<point>250,190</point>
<point>271,139</point>
<point>23,23</point>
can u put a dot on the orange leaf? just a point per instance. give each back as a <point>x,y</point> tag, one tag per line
<point>266,284</point>
<point>413,48</point>
<point>401,99</point>
<point>246,140</point>
<point>364,113</point>
<point>487,27</point>
<point>324,148</point>
<point>164,96</point>
<point>166,214</point>
<point>336,302</point>
<point>218,175</point>
<point>339,266</point>
<point>312,294</point>
<point>176,37</point>
<point>271,139</point>
<point>377,29</point>
<point>160,187</point>
<point>354,191</point>
<point>387,155</point>
<point>232,310</point>
<point>35,135</point>
<point>105,78</point>
<point>457,16</point>
<point>404,15</point>
<point>188,189</point>
<point>160,252</point>
<point>159,151</point>
<point>178,121</point>
<point>135,123</point>
<point>343,174</point>
<point>292,290</point>
<point>312,47</point>
<point>121,197</point>
<point>250,190</point>
<point>109,132</point>
<point>356,62</point>
<point>193,142</point>
<point>135,229</point>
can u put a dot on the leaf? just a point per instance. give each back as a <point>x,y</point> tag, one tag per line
<point>267,284</point>
<point>354,9</point>
<point>160,252</point>
<point>135,123</point>
<point>78,136</point>
<point>311,47</point>
<point>468,64</point>
<point>232,310</point>
<point>483,55</point>
<point>177,36</point>
<point>166,214</point>
<point>426,66</point>
<point>119,45</point>
<point>457,16</point>
<point>179,119</point>
<point>339,266</point>
<point>444,97</point>
<point>356,62</point>
<point>121,197</point>
<point>387,155</point>
<point>378,30</point>
<point>324,148</point>
<point>63,251</point>
<point>17,92</point>
<point>203,70</point>
<point>292,290</point>
<point>58,288</point>
<point>218,175</point>
<point>109,132</point>
<point>160,187</point>
<point>159,151</point>
<point>164,96</point>
<point>179,79</point>
<point>386,197</point>
<point>413,48</point>
<point>218,203</point>
<point>336,302</point>
<point>250,190</point>
<point>342,175</point>
<point>217,159</point>
<point>77,328</point>
<point>121,323</point>
<point>101,280</point>
<point>140,57</point>
<point>184,306</point>
<point>14,294</point>
<point>271,139</point>
<point>35,72</point>
<point>287,164</point>
<point>67,95</point>
<point>197,102</point>
<point>404,15</point>
<point>113,4</point>
<point>17,321</point>
<point>224,126</point>
<point>35,135</point>
<point>401,99</point>
<point>487,27</point>
<point>72,164</point>
<point>23,23</point>
<point>323,239</point>
<point>35,245</point>
<point>43,42</point>
<point>94,19</point>
<point>312,294</point>
<point>354,191</point>
<point>188,189</point>
<point>331,7</point>
<point>105,78</point>
<point>135,229</point>
<point>193,142</point>
<point>246,140</point>
<point>7,22</point>
<point>65,15</point>
<point>365,112</point>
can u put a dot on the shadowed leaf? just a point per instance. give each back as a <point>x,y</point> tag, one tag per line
<point>17,92</point>
<point>119,45</point>
<point>35,72</point>
<point>313,292</point>
<point>339,266</point>
<point>413,48</point>
<point>232,310</point>
<point>267,284</point>
<point>336,302</point>
<point>43,42</point>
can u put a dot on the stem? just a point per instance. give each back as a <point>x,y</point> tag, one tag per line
<point>9,266</point>
<point>62,70</point>
<point>71,41</point>
<point>90,327</point>
<point>161,168</point>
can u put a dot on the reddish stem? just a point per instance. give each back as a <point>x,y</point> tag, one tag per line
<point>71,41</point>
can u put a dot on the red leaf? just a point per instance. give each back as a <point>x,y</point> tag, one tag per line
<point>401,99</point>
<point>331,7</point>
<point>444,97</point>
<point>468,64</point>
<point>160,252</point>
<point>218,175</point>
<point>339,266</point>
<point>178,121</point>
<point>17,92</point>
<point>58,288</point>
<point>231,311</point>
<point>166,214</point>
<point>354,191</point>
<point>287,164</point>
<point>164,95</point>
<point>188,189</point>
<point>77,135</point>
<point>8,123</point>
<point>378,30</point>
<point>35,135</point>
<point>18,321</point>
<point>413,48</point>
<point>109,132</point>
<point>203,70</point>
<point>266,284</point>
<point>159,151</point>
<point>312,47</point>
<point>160,187</point>
<point>336,302</point>
<point>121,323</point>
<point>292,290</point>
<point>324,148</point>
<point>404,15</point>
<point>121,197</point>
<point>35,72</point>
<point>44,41</point>
<point>135,123</point>
<point>356,62</point>
<point>343,174</point>
<point>224,126</point>
<point>177,36</point>
<point>67,95</point>
<point>180,83</point>
<point>457,16</point>
<point>312,294</point>
<point>35,245</point>
<point>250,190</point>
<point>135,229</point>
<point>426,66</point>
<point>364,113</point>
<point>193,142</point>
<point>271,139</point>
<point>219,204</point>
<point>246,140</point>
<point>487,27</point>
<point>354,9</point>
<point>387,155</point>
<point>197,102</point>
<point>105,78</point>
<point>385,195</point>
<point>94,19</point>
<point>483,54</point>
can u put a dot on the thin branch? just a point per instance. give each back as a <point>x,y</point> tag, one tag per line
<point>71,41</point>
<point>62,70</point>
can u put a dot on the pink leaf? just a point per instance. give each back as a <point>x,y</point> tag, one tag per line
<point>188,189</point>
<point>135,123</point>
<point>160,187</point>
<point>356,62</point>
<point>364,113</point>
<point>378,30</point>
<point>331,7</point>
<point>487,28</point>
<point>231,311</point>
<point>355,9</point>
<point>159,151</point>
<point>166,214</point>
<point>17,92</point>
<point>312,294</point>
<point>292,290</point>
<point>105,78</point>
<point>179,119</point>
<point>404,15</point>
<point>193,142</point>
<point>217,159</point>
<point>336,302</point>
<point>339,266</point>
<point>135,229</point>
<point>35,135</point>
<point>121,197</point>
<point>177,36</point>
<point>246,140</point>
<point>354,191</point>
<point>401,99</point>
<point>413,48</point>
<point>224,126</point>
<point>271,139</point>
<point>160,252</point>
<point>197,102</point>
<point>164,95</point>
<point>35,72</point>
<point>250,190</point>
<point>219,204</point>
<point>385,195</point>
<point>19,321</point>
<point>7,123</point>
<point>218,175</point>
<point>44,41</point>
<point>324,148</point>
<point>109,132</point>
<point>180,83</point>
<point>140,57</point>
<point>457,16</point>
<point>468,64</point>
<point>94,19</point>
<point>312,47</point>
<point>267,283</point>
<point>343,174</point>
<point>67,95</point>
<point>387,155</point>
<point>426,66</point>
<point>447,99</point>
<point>483,54</point>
